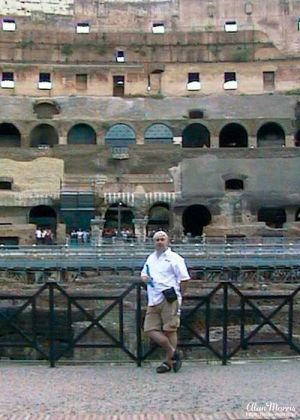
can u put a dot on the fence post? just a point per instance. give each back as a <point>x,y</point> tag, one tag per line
<point>51,286</point>
<point>290,321</point>
<point>243,320</point>
<point>207,320</point>
<point>225,322</point>
<point>138,325</point>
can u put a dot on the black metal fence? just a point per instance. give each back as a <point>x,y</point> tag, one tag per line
<point>44,321</point>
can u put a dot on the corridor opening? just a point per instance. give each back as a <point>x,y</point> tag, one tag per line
<point>194,219</point>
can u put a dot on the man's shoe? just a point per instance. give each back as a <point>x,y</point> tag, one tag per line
<point>177,361</point>
<point>164,368</point>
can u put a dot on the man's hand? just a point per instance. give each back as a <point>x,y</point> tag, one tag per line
<point>145,279</point>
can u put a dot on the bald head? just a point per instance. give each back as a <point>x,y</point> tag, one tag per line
<point>160,234</point>
<point>161,241</point>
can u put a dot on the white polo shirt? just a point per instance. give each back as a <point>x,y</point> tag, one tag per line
<point>167,270</point>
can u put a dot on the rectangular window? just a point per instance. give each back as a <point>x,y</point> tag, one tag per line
<point>158,28</point>
<point>298,25</point>
<point>81,81</point>
<point>230,82</point>
<point>193,81</point>
<point>230,26</point>
<point>120,57</point>
<point>7,80</point>
<point>83,28</point>
<point>8,25</point>
<point>269,80</point>
<point>45,81</point>
<point>5,185</point>
<point>118,85</point>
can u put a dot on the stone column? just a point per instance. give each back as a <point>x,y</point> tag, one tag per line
<point>214,142</point>
<point>177,229</point>
<point>252,142</point>
<point>97,226</point>
<point>140,228</point>
<point>61,233</point>
<point>289,141</point>
<point>63,139</point>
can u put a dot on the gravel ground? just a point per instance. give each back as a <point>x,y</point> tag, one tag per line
<point>109,389</point>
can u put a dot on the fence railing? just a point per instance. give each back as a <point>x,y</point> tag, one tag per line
<point>132,256</point>
<point>54,322</point>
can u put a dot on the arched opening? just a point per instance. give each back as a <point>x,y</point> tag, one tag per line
<point>194,219</point>
<point>9,136</point>
<point>273,217</point>
<point>158,133</point>
<point>43,216</point>
<point>297,217</point>
<point>234,184</point>
<point>195,135</point>
<point>119,221</point>
<point>43,135</point>
<point>297,139</point>
<point>270,135</point>
<point>46,109</point>
<point>120,135</point>
<point>82,134</point>
<point>233,135</point>
<point>158,218</point>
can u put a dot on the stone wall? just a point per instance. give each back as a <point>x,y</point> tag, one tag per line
<point>24,232</point>
<point>271,16</point>
<point>39,175</point>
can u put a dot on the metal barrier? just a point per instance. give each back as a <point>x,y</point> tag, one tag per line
<point>119,257</point>
<point>40,332</point>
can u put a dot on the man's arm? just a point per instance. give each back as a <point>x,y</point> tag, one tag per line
<point>183,286</point>
<point>144,275</point>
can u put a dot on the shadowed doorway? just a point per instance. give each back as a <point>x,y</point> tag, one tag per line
<point>194,219</point>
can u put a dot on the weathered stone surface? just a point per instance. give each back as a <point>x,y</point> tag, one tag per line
<point>39,175</point>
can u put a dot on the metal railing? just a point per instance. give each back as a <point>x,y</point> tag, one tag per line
<point>52,340</point>
<point>123,256</point>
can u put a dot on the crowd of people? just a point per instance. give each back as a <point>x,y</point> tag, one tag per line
<point>125,233</point>
<point>44,236</point>
<point>79,236</point>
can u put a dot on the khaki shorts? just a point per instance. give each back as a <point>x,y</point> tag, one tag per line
<point>163,316</point>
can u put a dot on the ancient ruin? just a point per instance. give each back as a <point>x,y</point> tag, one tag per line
<point>127,116</point>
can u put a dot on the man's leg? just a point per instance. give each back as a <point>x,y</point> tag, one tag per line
<point>152,327</point>
<point>163,341</point>
<point>172,336</point>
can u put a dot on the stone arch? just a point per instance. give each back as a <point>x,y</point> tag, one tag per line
<point>297,139</point>
<point>234,184</point>
<point>274,217</point>
<point>9,135</point>
<point>46,109</point>
<point>195,135</point>
<point>120,135</point>
<point>158,218</point>
<point>194,218</point>
<point>43,135</point>
<point>118,218</point>
<point>158,133</point>
<point>43,216</point>
<point>82,134</point>
<point>233,135</point>
<point>270,134</point>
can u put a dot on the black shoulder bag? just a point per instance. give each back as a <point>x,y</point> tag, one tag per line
<point>170,294</point>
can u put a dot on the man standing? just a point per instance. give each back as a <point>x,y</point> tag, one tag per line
<point>166,276</point>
